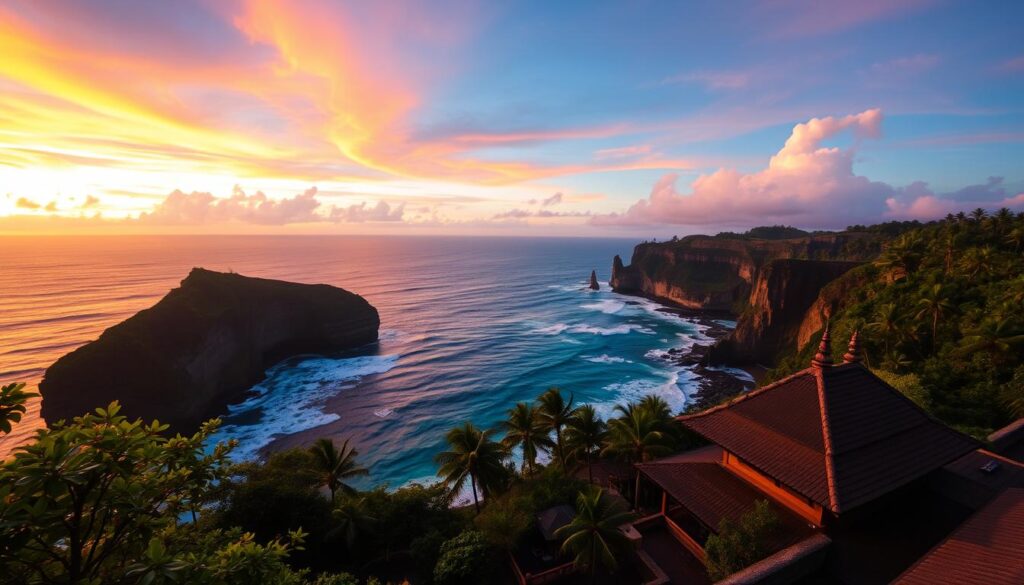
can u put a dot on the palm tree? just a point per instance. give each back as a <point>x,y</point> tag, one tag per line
<point>336,465</point>
<point>1016,238</point>
<point>636,436</point>
<point>584,434</point>
<point>593,536</point>
<point>888,323</point>
<point>555,412</point>
<point>352,520</point>
<point>657,406</point>
<point>902,256</point>
<point>524,428</point>
<point>473,456</point>
<point>978,214</point>
<point>934,302</point>
<point>999,337</point>
<point>979,261</point>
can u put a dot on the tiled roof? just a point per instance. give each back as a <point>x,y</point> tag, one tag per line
<point>987,548</point>
<point>838,435</point>
<point>698,482</point>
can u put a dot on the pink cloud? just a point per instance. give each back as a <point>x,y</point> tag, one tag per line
<point>806,18</point>
<point>717,80</point>
<point>906,65</point>
<point>805,184</point>
<point>1014,65</point>
<point>361,213</point>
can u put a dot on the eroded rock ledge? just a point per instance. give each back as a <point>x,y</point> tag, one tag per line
<point>203,345</point>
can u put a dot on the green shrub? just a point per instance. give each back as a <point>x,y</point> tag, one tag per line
<point>739,545</point>
<point>466,559</point>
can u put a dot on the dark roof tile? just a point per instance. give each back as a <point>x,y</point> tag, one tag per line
<point>838,435</point>
<point>987,548</point>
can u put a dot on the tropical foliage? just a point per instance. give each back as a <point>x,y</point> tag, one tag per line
<point>593,536</point>
<point>12,404</point>
<point>737,545</point>
<point>474,457</point>
<point>336,465</point>
<point>556,412</point>
<point>944,302</point>
<point>527,430</point>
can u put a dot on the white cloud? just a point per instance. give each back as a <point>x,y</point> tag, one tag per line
<point>361,213</point>
<point>804,184</point>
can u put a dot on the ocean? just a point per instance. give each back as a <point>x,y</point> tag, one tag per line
<point>469,327</point>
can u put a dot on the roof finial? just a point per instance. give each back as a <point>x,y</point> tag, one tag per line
<point>824,356</point>
<point>852,355</point>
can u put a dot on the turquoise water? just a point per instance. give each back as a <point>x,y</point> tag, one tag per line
<point>469,326</point>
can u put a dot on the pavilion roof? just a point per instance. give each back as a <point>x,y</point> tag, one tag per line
<point>838,435</point>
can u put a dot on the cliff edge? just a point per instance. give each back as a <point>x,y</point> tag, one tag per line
<point>202,346</point>
<point>769,283</point>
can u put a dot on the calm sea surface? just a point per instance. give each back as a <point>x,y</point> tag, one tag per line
<point>469,326</point>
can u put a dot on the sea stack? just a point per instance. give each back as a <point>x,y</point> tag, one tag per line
<point>593,281</point>
<point>202,346</point>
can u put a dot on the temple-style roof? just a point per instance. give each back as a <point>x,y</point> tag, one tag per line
<point>984,549</point>
<point>838,435</point>
<point>696,480</point>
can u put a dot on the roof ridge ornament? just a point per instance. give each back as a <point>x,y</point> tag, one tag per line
<point>853,355</point>
<point>823,358</point>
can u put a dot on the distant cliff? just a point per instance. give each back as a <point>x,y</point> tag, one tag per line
<point>770,284</point>
<point>203,345</point>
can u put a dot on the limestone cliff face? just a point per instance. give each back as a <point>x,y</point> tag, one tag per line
<point>780,299</point>
<point>770,283</point>
<point>198,349</point>
<point>717,273</point>
<point>830,300</point>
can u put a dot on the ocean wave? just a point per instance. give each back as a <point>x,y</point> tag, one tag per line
<point>608,307</point>
<point>670,388</point>
<point>289,400</point>
<point>606,359</point>
<point>660,355</point>
<point>625,328</point>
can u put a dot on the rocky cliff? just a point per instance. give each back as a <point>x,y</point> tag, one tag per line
<point>203,345</point>
<point>779,302</point>
<point>771,284</point>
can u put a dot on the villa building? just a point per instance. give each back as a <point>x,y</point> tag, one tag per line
<point>863,481</point>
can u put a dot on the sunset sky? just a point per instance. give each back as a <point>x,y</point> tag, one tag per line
<point>548,118</point>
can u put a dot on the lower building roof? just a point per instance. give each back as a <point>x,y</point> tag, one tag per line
<point>988,548</point>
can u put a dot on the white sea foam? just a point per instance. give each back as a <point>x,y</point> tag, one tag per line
<point>289,400</point>
<point>734,372</point>
<point>660,355</point>
<point>609,306</point>
<point>670,386</point>
<point>383,412</point>
<point>726,323</point>
<point>606,359</point>
<point>622,329</point>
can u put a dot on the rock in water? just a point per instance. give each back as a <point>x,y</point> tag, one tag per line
<point>202,346</point>
<point>593,281</point>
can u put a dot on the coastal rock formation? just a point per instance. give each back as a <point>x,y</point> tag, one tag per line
<point>203,345</point>
<point>779,301</point>
<point>593,281</point>
<point>771,284</point>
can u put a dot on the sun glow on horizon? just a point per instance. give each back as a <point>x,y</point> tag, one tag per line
<point>450,117</point>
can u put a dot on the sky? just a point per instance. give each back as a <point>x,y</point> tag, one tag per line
<point>631,119</point>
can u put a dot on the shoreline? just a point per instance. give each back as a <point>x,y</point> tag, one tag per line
<point>716,384</point>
